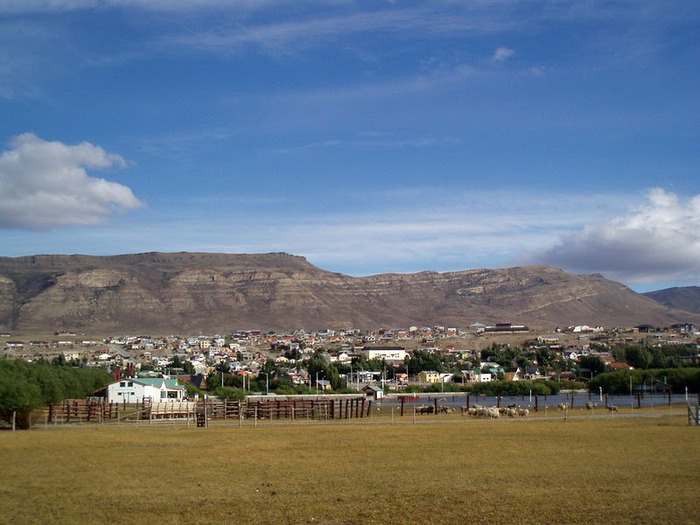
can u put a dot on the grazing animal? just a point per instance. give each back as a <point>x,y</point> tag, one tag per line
<point>511,412</point>
<point>563,406</point>
<point>590,405</point>
<point>523,412</point>
<point>425,409</point>
<point>612,408</point>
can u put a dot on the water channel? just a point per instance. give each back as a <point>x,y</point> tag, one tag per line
<point>575,400</point>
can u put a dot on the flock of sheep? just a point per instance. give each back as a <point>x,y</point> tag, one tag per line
<point>590,405</point>
<point>496,412</point>
<point>492,412</point>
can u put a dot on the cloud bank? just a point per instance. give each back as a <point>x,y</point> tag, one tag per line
<point>659,240</point>
<point>44,184</point>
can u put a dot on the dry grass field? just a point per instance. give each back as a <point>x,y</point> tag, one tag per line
<point>609,470</point>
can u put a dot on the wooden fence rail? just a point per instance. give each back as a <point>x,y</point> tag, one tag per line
<point>283,408</point>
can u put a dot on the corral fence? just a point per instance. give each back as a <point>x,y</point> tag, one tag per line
<point>308,407</point>
<point>97,410</point>
<point>94,410</point>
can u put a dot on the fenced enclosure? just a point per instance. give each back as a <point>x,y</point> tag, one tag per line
<point>97,410</point>
<point>340,407</point>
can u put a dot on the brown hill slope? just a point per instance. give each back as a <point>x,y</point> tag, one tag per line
<point>197,292</point>
<point>686,297</point>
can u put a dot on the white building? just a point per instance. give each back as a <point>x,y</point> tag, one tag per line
<point>135,389</point>
<point>387,353</point>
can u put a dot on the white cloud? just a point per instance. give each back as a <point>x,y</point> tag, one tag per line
<point>658,241</point>
<point>30,6</point>
<point>319,29</point>
<point>502,54</point>
<point>44,184</point>
<point>408,232</point>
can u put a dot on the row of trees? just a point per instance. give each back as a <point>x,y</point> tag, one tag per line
<point>631,381</point>
<point>662,356</point>
<point>24,386</point>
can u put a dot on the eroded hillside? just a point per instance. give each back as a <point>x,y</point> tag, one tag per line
<point>189,292</point>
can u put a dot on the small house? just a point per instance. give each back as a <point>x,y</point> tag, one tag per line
<point>373,391</point>
<point>134,389</point>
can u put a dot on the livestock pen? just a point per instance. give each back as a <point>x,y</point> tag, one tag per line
<point>96,410</point>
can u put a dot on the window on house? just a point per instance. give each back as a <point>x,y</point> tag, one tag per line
<point>122,384</point>
<point>131,383</point>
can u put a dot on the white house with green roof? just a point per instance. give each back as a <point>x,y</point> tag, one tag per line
<point>134,389</point>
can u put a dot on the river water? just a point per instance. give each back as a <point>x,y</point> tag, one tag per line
<point>576,400</point>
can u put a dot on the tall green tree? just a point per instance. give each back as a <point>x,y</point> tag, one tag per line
<point>18,397</point>
<point>593,363</point>
<point>27,386</point>
<point>318,367</point>
<point>638,356</point>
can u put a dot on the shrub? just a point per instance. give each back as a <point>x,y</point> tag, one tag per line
<point>230,393</point>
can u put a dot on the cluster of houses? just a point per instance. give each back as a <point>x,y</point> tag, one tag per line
<point>245,352</point>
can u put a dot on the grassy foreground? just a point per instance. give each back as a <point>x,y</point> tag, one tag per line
<point>608,470</point>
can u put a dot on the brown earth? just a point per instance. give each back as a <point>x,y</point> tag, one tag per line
<point>199,292</point>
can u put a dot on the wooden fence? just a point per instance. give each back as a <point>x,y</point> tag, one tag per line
<point>83,410</point>
<point>290,408</point>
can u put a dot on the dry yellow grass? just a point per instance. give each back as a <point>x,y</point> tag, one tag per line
<point>586,470</point>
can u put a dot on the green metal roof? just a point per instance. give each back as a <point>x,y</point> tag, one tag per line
<point>158,381</point>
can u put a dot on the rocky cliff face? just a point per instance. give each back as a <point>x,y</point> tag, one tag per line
<point>194,292</point>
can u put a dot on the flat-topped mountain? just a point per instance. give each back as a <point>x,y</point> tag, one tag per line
<point>202,292</point>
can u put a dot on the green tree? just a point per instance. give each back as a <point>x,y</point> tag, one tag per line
<point>318,367</point>
<point>593,363</point>
<point>26,386</point>
<point>20,397</point>
<point>422,360</point>
<point>638,356</point>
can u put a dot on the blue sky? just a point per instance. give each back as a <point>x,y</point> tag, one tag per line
<point>369,137</point>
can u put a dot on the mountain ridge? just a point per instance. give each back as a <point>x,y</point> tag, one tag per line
<point>680,297</point>
<point>195,291</point>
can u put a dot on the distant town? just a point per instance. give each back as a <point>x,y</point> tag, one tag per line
<point>394,359</point>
